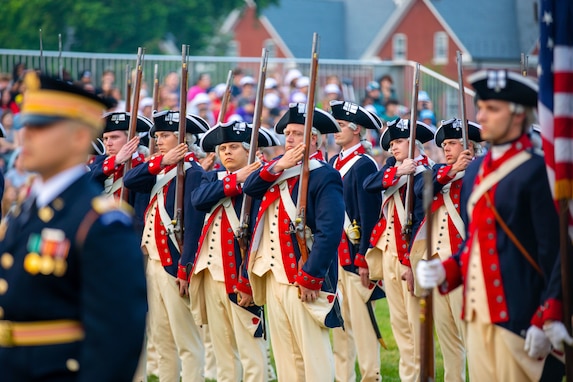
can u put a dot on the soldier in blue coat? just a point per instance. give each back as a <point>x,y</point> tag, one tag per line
<point>219,288</point>
<point>72,287</point>
<point>2,135</point>
<point>507,261</point>
<point>301,298</point>
<point>108,169</point>
<point>358,339</point>
<point>173,331</point>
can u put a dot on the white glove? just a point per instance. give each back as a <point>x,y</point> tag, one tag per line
<point>557,334</point>
<point>537,345</point>
<point>430,273</point>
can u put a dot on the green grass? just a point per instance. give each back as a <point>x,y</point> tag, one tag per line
<point>390,357</point>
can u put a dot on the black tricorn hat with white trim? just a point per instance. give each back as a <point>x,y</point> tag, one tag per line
<point>322,121</point>
<point>504,86</point>
<point>235,131</point>
<point>452,129</point>
<point>168,120</point>
<point>400,128</point>
<point>351,112</point>
<point>120,120</point>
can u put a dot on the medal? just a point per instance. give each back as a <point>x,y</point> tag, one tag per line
<point>45,214</point>
<point>47,265</point>
<point>32,263</point>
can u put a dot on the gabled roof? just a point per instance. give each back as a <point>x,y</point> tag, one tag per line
<point>364,19</point>
<point>492,29</point>
<point>296,21</point>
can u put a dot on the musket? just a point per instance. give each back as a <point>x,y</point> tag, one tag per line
<point>427,368</point>
<point>300,220</point>
<point>244,219</point>
<point>407,228</point>
<point>180,179</point>
<point>42,66</point>
<point>133,119</point>
<point>155,104</point>
<point>60,65</point>
<point>462,105</point>
<point>127,88</point>
<point>227,96</point>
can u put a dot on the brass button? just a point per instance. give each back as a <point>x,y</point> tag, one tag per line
<point>72,364</point>
<point>3,286</point>
<point>7,260</point>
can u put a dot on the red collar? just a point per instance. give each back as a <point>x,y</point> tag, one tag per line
<point>341,162</point>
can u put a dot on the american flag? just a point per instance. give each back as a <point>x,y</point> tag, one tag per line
<point>556,95</point>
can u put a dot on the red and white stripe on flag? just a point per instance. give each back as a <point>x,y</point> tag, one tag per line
<point>556,94</point>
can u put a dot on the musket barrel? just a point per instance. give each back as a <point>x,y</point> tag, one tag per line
<point>462,101</point>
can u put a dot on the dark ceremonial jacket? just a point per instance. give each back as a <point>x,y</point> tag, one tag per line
<point>381,181</point>
<point>517,295</point>
<point>102,286</point>
<point>141,179</point>
<point>215,187</point>
<point>1,190</point>
<point>361,206</point>
<point>324,217</point>
<point>103,167</point>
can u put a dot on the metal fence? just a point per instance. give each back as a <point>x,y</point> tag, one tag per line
<point>442,91</point>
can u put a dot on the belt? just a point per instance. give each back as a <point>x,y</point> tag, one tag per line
<point>37,333</point>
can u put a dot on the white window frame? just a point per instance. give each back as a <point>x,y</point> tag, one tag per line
<point>399,47</point>
<point>441,48</point>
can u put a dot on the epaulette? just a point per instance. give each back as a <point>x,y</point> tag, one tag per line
<point>111,210</point>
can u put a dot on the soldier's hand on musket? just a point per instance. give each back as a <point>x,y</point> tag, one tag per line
<point>407,167</point>
<point>127,150</point>
<point>174,155</point>
<point>208,162</point>
<point>463,161</point>
<point>244,299</point>
<point>408,276</point>
<point>183,287</point>
<point>244,173</point>
<point>364,274</point>
<point>307,295</point>
<point>290,158</point>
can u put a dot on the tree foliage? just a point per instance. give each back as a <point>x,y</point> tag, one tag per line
<point>114,26</point>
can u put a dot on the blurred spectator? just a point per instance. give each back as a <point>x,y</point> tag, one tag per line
<point>201,106</point>
<point>387,90</point>
<point>146,107</point>
<point>238,74</point>
<point>428,117</point>
<point>216,95</point>
<point>169,92</point>
<point>85,77</point>
<point>202,84</point>
<point>372,97</point>
<point>331,92</point>
<point>290,83</point>
<point>11,139</point>
<point>16,175</point>
<point>5,81</point>
<point>7,101</point>
<point>301,92</point>
<point>391,110</point>
<point>246,100</point>
<point>425,103</point>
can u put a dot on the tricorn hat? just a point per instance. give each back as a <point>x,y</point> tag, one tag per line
<point>168,120</point>
<point>452,129</point>
<point>505,86</point>
<point>120,121</point>
<point>235,131</point>
<point>351,112</point>
<point>322,121</point>
<point>400,128</point>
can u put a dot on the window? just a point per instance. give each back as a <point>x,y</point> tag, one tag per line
<point>440,48</point>
<point>233,48</point>
<point>399,45</point>
<point>271,47</point>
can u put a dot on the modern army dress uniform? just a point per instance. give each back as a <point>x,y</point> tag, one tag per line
<point>217,271</point>
<point>448,234</point>
<point>388,258</point>
<point>109,173</point>
<point>298,330</point>
<point>362,210</point>
<point>173,331</point>
<point>72,286</point>
<point>504,294</point>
